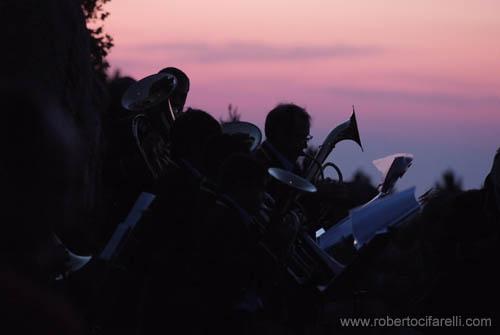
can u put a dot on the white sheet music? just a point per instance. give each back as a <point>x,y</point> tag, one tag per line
<point>142,203</point>
<point>375,217</point>
<point>392,168</point>
<point>365,222</point>
<point>335,234</point>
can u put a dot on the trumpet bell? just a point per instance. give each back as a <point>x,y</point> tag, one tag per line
<point>149,92</point>
<point>292,180</point>
<point>244,128</point>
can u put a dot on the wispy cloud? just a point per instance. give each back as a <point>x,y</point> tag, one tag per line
<point>435,98</point>
<point>258,52</point>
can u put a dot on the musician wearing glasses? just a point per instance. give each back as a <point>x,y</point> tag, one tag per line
<point>287,134</point>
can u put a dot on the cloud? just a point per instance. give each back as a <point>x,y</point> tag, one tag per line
<point>417,98</point>
<point>258,52</point>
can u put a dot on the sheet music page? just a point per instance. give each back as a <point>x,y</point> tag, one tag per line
<point>393,167</point>
<point>335,234</point>
<point>375,217</point>
<point>366,221</point>
<point>142,203</point>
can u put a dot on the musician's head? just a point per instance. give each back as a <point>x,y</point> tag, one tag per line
<point>287,128</point>
<point>243,178</point>
<point>191,132</point>
<point>179,96</point>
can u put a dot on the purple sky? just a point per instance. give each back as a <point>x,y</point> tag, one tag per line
<point>424,76</point>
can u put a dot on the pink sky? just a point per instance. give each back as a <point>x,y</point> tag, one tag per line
<point>424,75</point>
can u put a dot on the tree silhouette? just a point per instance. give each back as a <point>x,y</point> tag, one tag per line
<point>100,42</point>
<point>360,177</point>
<point>233,115</point>
<point>449,183</point>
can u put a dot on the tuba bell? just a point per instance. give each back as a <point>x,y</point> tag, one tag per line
<point>150,92</point>
<point>252,133</point>
<point>347,130</point>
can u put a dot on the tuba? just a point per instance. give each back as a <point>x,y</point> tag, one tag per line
<point>250,132</point>
<point>303,259</point>
<point>150,92</point>
<point>347,130</point>
<point>152,136</point>
<point>281,222</point>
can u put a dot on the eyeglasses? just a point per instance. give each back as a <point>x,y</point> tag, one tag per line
<point>301,136</point>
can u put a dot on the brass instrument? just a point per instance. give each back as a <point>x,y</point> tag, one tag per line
<point>285,238</point>
<point>290,244</point>
<point>154,147</point>
<point>347,130</point>
<point>150,92</point>
<point>251,131</point>
<point>304,260</point>
<point>151,135</point>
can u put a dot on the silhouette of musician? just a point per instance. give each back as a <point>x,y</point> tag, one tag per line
<point>287,134</point>
<point>227,248</point>
<point>166,231</point>
<point>177,189</point>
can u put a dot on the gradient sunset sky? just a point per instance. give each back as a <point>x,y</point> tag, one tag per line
<point>424,75</point>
